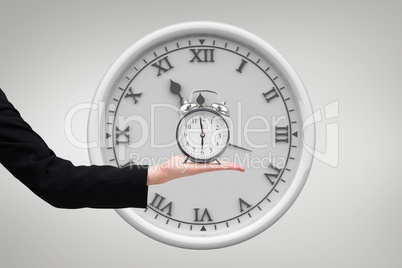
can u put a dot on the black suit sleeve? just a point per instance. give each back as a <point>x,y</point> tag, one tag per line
<point>57,181</point>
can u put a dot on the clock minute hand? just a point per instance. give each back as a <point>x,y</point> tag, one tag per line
<point>238,147</point>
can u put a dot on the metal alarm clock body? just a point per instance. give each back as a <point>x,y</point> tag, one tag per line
<point>202,134</point>
<point>146,114</point>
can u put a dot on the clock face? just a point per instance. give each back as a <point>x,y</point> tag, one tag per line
<point>137,123</point>
<point>202,135</point>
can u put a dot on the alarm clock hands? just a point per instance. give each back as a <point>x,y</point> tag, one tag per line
<point>174,168</point>
<point>202,135</point>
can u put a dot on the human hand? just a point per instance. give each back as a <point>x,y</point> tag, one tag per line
<point>175,168</point>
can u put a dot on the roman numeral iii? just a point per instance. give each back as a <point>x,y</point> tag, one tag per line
<point>282,134</point>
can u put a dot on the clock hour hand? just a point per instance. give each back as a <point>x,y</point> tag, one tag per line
<point>238,147</point>
<point>175,88</point>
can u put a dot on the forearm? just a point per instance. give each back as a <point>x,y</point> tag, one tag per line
<point>58,181</point>
<point>84,186</point>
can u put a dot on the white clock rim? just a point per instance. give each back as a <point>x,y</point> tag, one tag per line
<point>280,63</point>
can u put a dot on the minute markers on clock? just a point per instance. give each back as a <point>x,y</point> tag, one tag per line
<point>201,217</point>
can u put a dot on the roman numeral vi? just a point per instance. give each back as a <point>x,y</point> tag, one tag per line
<point>205,214</point>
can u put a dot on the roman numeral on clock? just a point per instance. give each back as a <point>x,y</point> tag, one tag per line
<point>282,134</point>
<point>243,203</point>
<point>134,96</point>
<point>243,62</point>
<point>204,214</point>
<point>158,203</point>
<point>124,134</point>
<point>271,94</point>
<point>163,65</point>
<point>273,175</point>
<point>202,55</point>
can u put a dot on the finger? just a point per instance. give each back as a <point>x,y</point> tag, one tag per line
<point>230,166</point>
<point>216,167</point>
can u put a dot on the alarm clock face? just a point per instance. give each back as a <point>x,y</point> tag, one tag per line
<point>137,122</point>
<point>202,135</point>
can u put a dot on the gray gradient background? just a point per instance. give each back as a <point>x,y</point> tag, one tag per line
<point>53,55</point>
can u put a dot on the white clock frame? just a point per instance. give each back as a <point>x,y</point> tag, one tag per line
<point>280,63</point>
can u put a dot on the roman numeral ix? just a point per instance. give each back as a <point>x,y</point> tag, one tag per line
<point>125,136</point>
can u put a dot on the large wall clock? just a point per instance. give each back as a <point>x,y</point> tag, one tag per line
<point>217,93</point>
